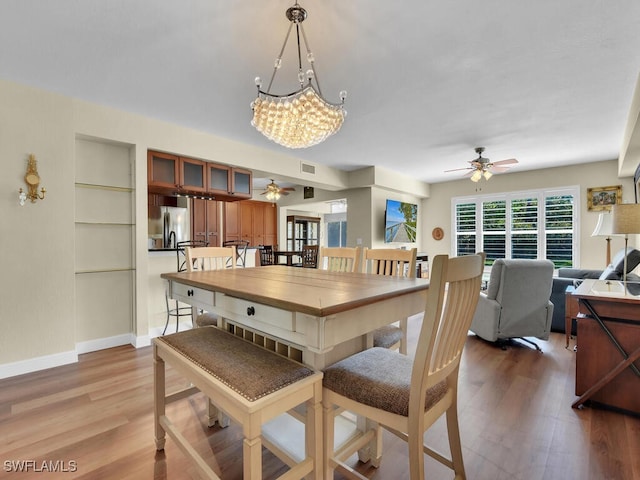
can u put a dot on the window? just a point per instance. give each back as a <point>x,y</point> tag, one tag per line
<point>336,229</point>
<point>532,224</point>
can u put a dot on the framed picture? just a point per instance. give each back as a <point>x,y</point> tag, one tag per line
<point>601,198</point>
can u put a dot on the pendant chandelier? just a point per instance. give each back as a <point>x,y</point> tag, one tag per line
<point>303,118</point>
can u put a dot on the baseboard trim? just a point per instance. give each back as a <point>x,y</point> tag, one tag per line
<point>39,363</point>
<point>64,358</point>
<point>103,343</point>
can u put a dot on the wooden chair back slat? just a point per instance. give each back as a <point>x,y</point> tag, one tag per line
<point>390,261</point>
<point>340,259</point>
<point>210,258</point>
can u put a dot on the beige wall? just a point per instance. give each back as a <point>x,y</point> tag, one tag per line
<point>37,254</point>
<point>37,240</point>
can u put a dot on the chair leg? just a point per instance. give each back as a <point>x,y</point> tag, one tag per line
<point>166,301</point>
<point>403,343</point>
<point>455,445</point>
<point>415,444</point>
<point>177,316</point>
<point>313,433</point>
<point>328,427</point>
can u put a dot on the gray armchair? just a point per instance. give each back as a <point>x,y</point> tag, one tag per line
<point>516,303</point>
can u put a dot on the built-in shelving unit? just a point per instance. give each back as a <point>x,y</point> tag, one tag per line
<point>104,243</point>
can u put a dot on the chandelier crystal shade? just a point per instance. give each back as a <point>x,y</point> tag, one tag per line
<point>303,118</point>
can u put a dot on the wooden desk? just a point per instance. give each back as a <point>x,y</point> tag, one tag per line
<point>312,315</point>
<point>607,365</point>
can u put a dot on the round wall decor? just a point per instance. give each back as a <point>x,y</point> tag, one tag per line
<point>437,233</point>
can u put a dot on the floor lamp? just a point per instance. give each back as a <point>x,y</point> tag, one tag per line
<point>604,228</point>
<point>626,221</point>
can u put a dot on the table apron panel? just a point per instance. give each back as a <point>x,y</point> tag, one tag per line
<point>194,296</point>
<point>239,308</point>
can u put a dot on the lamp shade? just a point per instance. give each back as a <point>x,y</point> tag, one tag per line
<point>626,218</point>
<point>604,227</point>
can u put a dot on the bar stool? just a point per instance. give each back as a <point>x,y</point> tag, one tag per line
<point>174,309</point>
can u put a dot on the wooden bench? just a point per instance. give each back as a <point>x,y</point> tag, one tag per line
<point>250,384</point>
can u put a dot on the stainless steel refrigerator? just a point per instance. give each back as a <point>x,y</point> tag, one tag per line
<point>168,226</point>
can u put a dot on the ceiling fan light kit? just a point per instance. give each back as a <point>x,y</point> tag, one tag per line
<point>481,166</point>
<point>273,192</point>
<point>303,118</point>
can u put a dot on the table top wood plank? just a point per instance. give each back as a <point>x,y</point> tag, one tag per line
<point>305,290</point>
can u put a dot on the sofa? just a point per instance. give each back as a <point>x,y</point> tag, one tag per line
<point>571,277</point>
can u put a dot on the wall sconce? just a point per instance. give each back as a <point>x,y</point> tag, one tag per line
<point>32,179</point>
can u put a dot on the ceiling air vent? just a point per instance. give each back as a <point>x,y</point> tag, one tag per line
<point>307,168</point>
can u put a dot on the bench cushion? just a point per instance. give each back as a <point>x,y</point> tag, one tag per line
<point>244,367</point>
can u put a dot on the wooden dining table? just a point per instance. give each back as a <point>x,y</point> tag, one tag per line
<point>315,316</point>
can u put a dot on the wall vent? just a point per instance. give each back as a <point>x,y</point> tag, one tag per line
<point>307,168</point>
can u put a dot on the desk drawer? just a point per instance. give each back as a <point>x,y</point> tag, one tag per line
<point>256,311</point>
<point>192,295</point>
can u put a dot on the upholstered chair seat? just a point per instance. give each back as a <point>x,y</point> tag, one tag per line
<point>380,378</point>
<point>388,336</point>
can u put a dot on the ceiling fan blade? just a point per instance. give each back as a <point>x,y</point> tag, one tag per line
<point>458,169</point>
<point>498,169</point>
<point>509,161</point>
<point>287,189</point>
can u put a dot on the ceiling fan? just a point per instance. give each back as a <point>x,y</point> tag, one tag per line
<point>273,191</point>
<point>483,167</point>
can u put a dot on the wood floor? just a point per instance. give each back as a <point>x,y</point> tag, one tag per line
<point>93,420</point>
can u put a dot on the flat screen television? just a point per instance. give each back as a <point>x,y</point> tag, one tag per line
<point>400,222</point>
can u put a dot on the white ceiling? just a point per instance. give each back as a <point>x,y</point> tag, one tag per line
<point>547,82</point>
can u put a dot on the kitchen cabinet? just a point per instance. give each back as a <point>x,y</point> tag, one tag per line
<point>193,175</point>
<point>205,221</point>
<point>232,221</point>
<point>302,231</point>
<point>251,221</point>
<point>241,183</point>
<point>270,224</point>
<point>174,175</point>
<point>163,170</point>
<point>224,180</point>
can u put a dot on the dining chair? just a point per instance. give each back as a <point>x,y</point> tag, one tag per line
<point>209,258</point>
<point>267,256</point>
<point>407,394</point>
<point>339,259</point>
<point>310,256</point>
<point>395,263</point>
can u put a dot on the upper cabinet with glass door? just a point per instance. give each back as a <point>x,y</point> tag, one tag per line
<point>194,175</point>
<point>225,180</point>
<point>163,170</point>
<point>174,175</point>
